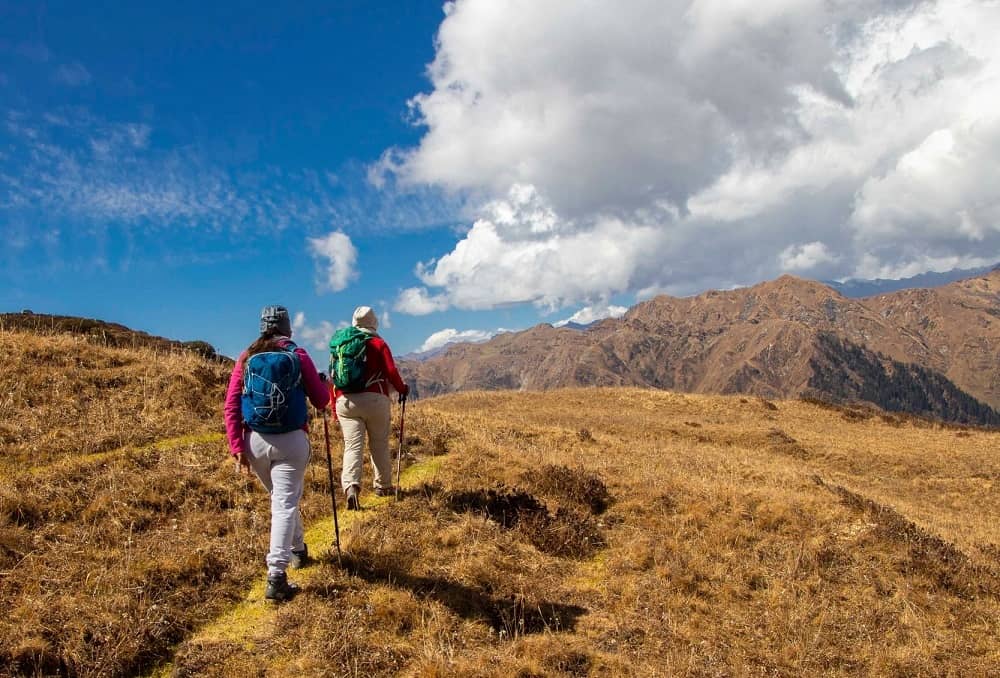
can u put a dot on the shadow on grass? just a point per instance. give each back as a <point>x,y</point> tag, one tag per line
<point>510,615</point>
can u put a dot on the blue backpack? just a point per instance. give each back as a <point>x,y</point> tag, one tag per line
<point>273,398</point>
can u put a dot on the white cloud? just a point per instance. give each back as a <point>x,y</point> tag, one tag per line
<point>113,140</point>
<point>416,301</point>
<point>72,75</point>
<point>613,145</point>
<point>805,257</point>
<point>451,336</point>
<point>871,267</point>
<point>521,251</point>
<point>589,314</point>
<point>315,336</point>
<point>341,257</point>
<point>937,190</point>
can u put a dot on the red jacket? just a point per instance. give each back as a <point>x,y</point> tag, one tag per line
<point>380,370</point>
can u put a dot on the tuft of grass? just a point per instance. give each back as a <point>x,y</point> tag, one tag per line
<point>575,485</point>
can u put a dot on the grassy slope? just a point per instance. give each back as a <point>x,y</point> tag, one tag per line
<point>114,496</point>
<point>743,537</point>
<point>63,395</point>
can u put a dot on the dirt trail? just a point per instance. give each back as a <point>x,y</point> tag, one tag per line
<point>248,619</point>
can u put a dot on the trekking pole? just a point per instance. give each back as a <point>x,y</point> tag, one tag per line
<point>333,492</point>
<point>399,454</point>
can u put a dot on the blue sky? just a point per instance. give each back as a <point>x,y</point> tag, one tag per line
<point>484,164</point>
<point>283,108</point>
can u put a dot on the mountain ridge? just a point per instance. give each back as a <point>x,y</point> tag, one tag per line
<point>859,287</point>
<point>760,340</point>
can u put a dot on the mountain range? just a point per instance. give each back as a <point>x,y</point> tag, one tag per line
<point>856,287</point>
<point>926,351</point>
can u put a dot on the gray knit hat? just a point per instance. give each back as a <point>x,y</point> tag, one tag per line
<point>276,317</point>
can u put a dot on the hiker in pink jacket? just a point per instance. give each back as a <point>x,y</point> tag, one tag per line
<point>266,425</point>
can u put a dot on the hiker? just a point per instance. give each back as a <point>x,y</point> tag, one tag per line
<point>266,425</point>
<point>362,404</point>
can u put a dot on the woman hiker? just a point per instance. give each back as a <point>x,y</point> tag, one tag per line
<point>364,405</point>
<point>266,425</point>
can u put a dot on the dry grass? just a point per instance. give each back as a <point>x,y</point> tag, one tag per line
<point>76,397</point>
<point>740,537</point>
<point>114,500</point>
<point>613,532</point>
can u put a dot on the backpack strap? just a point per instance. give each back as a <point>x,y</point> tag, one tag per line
<point>288,345</point>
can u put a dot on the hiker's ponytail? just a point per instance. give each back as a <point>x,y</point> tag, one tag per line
<point>265,342</point>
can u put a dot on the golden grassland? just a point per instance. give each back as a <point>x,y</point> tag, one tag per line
<point>743,537</point>
<point>616,532</point>
<point>66,396</point>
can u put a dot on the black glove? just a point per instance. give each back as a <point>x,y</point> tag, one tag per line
<point>323,377</point>
<point>405,392</point>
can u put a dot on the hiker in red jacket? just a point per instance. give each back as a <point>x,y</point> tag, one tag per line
<point>369,410</point>
<point>266,425</point>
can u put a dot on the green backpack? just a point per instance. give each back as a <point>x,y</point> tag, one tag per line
<point>347,359</point>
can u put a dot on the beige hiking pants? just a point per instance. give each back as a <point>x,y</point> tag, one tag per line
<point>360,412</point>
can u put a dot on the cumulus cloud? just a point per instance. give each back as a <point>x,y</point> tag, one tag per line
<point>520,251</point>
<point>803,258</point>
<point>316,336</point>
<point>336,258</point>
<point>452,336</point>
<point>936,191</point>
<point>704,143</point>
<point>416,301</point>
<point>589,314</point>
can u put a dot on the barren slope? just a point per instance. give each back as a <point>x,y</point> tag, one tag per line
<point>762,340</point>
<point>67,394</point>
<point>958,330</point>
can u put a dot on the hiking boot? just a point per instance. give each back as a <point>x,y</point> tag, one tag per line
<point>385,491</point>
<point>278,589</point>
<point>300,558</point>
<point>352,498</point>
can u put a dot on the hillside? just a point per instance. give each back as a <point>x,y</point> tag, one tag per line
<point>615,531</point>
<point>101,332</point>
<point>114,495</point>
<point>70,392</point>
<point>764,340</point>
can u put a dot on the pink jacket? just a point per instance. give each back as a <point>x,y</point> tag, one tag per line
<point>317,393</point>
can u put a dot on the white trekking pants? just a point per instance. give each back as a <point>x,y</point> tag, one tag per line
<point>279,460</point>
<point>358,413</point>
